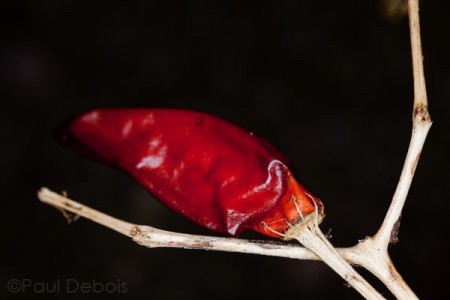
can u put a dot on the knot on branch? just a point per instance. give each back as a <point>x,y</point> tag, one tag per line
<point>421,114</point>
<point>137,233</point>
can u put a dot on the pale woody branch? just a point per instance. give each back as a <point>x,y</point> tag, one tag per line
<point>421,126</point>
<point>152,237</point>
<point>420,91</point>
<point>373,252</point>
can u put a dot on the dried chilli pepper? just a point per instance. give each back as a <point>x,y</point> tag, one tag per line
<point>212,172</point>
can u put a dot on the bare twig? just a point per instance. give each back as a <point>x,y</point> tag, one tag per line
<point>372,253</point>
<point>64,204</point>
<point>421,125</point>
<point>153,238</point>
<point>420,91</point>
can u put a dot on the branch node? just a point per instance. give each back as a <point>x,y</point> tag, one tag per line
<point>308,233</point>
<point>421,114</point>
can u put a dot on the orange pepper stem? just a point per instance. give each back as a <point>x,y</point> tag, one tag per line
<point>296,204</point>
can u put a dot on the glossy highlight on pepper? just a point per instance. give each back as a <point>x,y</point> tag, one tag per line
<point>212,172</point>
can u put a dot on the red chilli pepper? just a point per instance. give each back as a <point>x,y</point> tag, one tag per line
<point>214,173</point>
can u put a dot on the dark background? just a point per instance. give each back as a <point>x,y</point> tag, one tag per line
<point>327,82</point>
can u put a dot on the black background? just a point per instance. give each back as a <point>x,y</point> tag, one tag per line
<point>327,82</point>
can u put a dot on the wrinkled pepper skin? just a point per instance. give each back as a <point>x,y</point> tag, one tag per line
<point>214,173</point>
